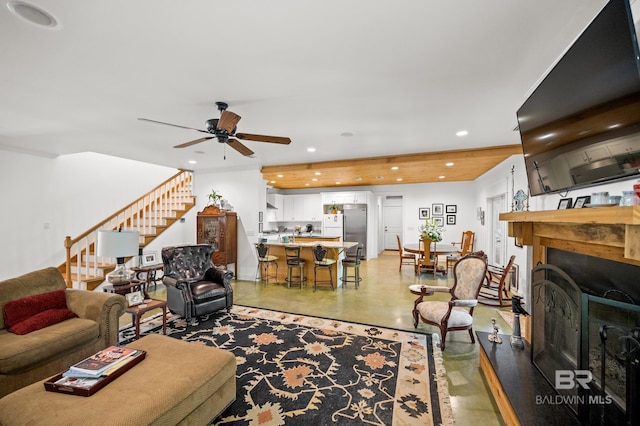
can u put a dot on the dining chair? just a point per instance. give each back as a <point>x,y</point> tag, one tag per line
<point>321,261</point>
<point>405,258</point>
<point>456,313</point>
<point>466,246</point>
<point>494,291</point>
<point>427,261</point>
<point>266,262</point>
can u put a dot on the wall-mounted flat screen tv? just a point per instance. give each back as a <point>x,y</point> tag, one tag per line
<point>581,125</point>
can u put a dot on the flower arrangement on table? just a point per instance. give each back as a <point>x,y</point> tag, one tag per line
<point>297,229</point>
<point>431,230</point>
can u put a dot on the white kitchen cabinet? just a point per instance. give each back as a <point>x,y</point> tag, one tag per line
<point>277,201</point>
<point>293,208</point>
<point>313,207</point>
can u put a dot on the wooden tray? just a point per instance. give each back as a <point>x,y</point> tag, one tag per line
<point>52,386</point>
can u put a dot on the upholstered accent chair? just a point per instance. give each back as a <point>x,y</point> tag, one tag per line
<point>457,313</point>
<point>194,286</point>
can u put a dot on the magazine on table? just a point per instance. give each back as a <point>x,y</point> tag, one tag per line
<point>78,382</point>
<point>96,365</point>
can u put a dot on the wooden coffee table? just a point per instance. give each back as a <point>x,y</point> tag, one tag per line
<point>149,304</point>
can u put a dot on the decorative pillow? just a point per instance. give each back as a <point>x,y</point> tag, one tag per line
<point>41,320</point>
<point>18,310</point>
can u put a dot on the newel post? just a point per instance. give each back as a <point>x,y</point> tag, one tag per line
<point>67,245</point>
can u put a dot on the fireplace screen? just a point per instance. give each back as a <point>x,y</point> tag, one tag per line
<point>612,354</point>
<point>556,324</point>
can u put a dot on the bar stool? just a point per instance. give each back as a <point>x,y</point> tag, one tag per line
<point>265,260</point>
<point>321,261</point>
<point>292,254</point>
<point>352,262</point>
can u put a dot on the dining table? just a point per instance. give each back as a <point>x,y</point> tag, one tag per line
<point>436,248</point>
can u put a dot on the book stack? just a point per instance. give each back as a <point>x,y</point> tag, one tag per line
<point>91,374</point>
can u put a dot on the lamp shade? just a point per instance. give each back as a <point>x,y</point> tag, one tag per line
<point>118,243</point>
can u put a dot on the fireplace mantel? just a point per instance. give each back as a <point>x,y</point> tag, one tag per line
<point>608,232</point>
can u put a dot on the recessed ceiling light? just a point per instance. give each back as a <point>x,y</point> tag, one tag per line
<point>395,168</point>
<point>449,164</point>
<point>337,183</point>
<point>347,134</point>
<point>199,152</point>
<point>379,177</point>
<point>193,162</point>
<point>317,173</point>
<point>358,179</point>
<point>273,181</point>
<point>311,149</point>
<point>33,14</point>
<point>462,133</point>
<point>306,184</point>
<point>399,179</point>
<point>441,177</point>
<point>280,176</point>
<point>315,179</point>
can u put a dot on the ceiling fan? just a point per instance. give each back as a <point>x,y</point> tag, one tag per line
<point>224,130</point>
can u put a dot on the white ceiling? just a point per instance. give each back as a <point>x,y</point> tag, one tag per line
<point>403,76</point>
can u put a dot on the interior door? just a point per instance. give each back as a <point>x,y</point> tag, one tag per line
<point>392,221</point>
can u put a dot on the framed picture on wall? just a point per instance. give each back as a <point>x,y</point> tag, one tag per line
<point>438,209</point>
<point>451,219</point>
<point>424,213</point>
<point>260,217</point>
<point>564,203</point>
<point>582,201</point>
<point>452,208</point>
<point>439,221</point>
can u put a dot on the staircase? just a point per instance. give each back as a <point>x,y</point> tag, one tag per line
<point>150,215</point>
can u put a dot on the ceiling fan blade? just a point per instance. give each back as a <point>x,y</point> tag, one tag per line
<point>228,121</point>
<point>235,144</point>
<point>186,144</point>
<point>169,124</point>
<point>263,138</point>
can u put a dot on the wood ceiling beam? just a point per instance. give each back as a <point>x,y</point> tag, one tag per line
<point>412,168</point>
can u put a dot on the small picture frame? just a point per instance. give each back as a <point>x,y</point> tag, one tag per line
<point>260,228</point>
<point>150,258</point>
<point>134,298</point>
<point>424,213</point>
<point>439,221</point>
<point>451,219</point>
<point>260,217</point>
<point>582,202</point>
<point>452,208</point>
<point>437,209</point>
<point>565,203</point>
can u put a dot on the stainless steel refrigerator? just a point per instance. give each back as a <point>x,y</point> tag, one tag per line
<point>355,226</point>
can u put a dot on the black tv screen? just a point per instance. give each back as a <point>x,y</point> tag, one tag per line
<point>581,125</point>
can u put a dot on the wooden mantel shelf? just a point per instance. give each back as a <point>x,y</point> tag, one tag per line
<point>608,232</point>
<point>603,215</point>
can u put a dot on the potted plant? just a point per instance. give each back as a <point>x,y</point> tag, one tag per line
<point>334,208</point>
<point>431,230</point>
<point>215,197</point>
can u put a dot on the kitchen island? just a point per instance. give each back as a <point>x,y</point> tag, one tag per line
<point>335,250</point>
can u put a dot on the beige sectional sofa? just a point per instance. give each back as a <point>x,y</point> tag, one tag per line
<point>40,354</point>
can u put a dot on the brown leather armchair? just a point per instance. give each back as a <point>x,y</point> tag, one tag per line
<point>194,286</point>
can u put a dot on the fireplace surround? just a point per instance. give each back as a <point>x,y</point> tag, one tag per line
<point>588,313</point>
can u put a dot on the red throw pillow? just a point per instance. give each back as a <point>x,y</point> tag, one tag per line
<point>18,310</point>
<point>41,320</point>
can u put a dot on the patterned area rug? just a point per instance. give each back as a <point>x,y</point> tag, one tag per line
<point>294,369</point>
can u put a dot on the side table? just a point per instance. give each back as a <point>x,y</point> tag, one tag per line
<point>417,289</point>
<point>127,288</point>
<point>149,304</point>
<point>148,274</point>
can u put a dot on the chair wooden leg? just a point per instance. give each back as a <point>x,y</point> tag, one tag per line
<point>473,339</point>
<point>443,333</point>
<point>415,318</point>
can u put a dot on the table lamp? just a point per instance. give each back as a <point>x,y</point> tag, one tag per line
<point>118,244</point>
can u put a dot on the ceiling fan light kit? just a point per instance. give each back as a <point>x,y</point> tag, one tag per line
<point>224,130</point>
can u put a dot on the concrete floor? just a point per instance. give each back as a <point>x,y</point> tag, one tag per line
<point>383,299</point>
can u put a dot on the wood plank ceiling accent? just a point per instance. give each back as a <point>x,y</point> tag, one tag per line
<point>426,167</point>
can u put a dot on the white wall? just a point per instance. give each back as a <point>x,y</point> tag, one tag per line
<point>46,199</point>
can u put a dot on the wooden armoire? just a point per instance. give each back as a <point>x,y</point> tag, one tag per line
<point>220,229</point>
